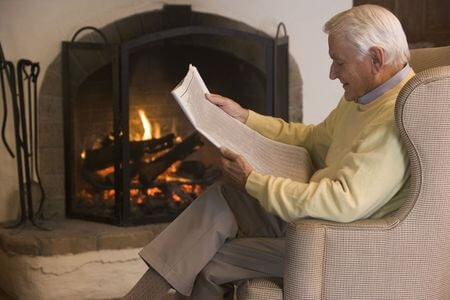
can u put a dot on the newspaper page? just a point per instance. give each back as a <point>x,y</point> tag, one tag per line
<point>264,155</point>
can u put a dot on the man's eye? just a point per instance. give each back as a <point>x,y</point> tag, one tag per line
<point>337,63</point>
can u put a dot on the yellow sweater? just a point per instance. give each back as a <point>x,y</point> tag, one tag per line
<point>362,166</point>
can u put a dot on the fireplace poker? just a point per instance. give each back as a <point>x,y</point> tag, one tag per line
<point>34,76</point>
<point>11,78</point>
<point>31,80</point>
<point>3,68</point>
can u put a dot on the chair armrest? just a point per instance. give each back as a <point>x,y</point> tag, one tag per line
<point>306,253</point>
<point>382,223</point>
<point>305,246</point>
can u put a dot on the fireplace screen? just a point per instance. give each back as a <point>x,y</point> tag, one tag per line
<point>132,157</point>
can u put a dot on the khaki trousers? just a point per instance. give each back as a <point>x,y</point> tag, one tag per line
<point>223,236</point>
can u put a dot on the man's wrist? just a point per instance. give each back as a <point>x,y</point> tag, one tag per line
<point>244,116</point>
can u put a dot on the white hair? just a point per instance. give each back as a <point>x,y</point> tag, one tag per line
<point>368,25</point>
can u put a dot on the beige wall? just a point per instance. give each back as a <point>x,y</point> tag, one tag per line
<point>34,29</point>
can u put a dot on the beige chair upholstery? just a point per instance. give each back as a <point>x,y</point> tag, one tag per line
<point>261,288</point>
<point>405,255</point>
<point>427,58</point>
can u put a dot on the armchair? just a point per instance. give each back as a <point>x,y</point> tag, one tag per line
<point>405,255</point>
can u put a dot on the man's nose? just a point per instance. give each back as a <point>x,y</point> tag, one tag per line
<point>333,74</point>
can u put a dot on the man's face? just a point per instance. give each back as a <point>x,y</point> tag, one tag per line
<point>352,70</point>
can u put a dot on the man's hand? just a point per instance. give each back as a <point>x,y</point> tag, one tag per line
<point>229,106</point>
<point>235,166</point>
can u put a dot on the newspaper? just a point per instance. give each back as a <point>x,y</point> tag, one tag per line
<point>264,155</point>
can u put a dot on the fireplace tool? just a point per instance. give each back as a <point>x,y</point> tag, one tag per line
<point>5,107</point>
<point>25,134</point>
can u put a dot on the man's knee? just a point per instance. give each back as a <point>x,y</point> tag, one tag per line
<point>232,195</point>
<point>213,191</point>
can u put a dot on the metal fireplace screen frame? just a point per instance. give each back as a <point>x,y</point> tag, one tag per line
<point>276,103</point>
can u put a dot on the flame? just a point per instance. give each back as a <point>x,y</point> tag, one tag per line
<point>187,188</point>
<point>174,167</point>
<point>198,190</point>
<point>153,191</point>
<point>136,196</point>
<point>191,189</point>
<point>108,194</point>
<point>147,126</point>
<point>175,197</point>
<point>105,172</point>
<point>112,193</point>
<point>170,174</point>
<point>169,178</point>
<point>83,154</point>
<point>156,130</point>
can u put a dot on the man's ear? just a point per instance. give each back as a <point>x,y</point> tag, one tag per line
<point>378,58</point>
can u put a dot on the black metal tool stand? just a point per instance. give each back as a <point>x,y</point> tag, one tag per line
<point>26,154</point>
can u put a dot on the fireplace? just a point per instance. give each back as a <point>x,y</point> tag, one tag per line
<point>131,155</point>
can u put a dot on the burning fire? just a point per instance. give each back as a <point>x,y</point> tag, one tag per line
<point>152,130</point>
<point>195,189</point>
<point>175,197</point>
<point>154,191</point>
<point>108,194</point>
<point>170,185</point>
<point>105,172</point>
<point>186,188</point>
<point>147,125</point>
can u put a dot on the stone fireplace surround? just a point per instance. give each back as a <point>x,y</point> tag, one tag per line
<point>83,260</point>
<point>51,147</point>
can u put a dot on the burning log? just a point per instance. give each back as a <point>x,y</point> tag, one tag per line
<point>104,157</point>
<point>191,169</point>
<point>149,171</point>
<point>101,183</point>
<point>97,181</point>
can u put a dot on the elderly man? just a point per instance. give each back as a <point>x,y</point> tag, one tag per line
<point>230,234</point>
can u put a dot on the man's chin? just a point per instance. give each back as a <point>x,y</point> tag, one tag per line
<point>350,98</point>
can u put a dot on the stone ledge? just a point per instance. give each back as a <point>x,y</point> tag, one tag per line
<point>95,275</point>
<point>74,236</point>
